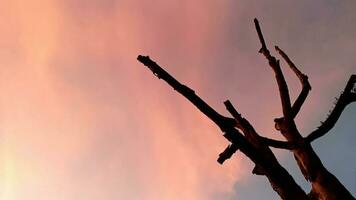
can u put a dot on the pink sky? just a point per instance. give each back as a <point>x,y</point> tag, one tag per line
<point>81,119</point>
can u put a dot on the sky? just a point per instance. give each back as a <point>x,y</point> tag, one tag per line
<point>82,119</point>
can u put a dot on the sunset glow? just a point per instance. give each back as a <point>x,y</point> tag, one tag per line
<point>81,119</point>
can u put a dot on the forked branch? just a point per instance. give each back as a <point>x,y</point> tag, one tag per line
<point>303,80</point>
<point>274,64</point>
<point>249,131</point>
<point>265,161</point>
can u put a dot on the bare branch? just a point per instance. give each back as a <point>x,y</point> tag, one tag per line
<point>303,80</point>
<point>260,36</point>
<point>186,92</point>
<point>227,153</point>
<point>241,122</point>
<point>348,96</point>
<point>302,77</point>
<point>274,64</point>
<point>233,111</point>
<point>277,143</point>
<point>249,131</point>
<point>244,125</point>
<point>224,123</point>
<point>280,179</point>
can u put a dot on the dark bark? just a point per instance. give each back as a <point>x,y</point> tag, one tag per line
<point>280,180</point>
<point>325,186</point>
<point>243,137</point>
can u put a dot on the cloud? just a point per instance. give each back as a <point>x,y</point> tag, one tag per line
<point>82,119</point>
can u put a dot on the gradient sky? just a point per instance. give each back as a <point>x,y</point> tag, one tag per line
<point>81,119</point>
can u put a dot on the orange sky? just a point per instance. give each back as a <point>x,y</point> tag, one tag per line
<point>81,119</point>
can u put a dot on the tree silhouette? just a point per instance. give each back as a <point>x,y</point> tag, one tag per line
<point>242,136</point>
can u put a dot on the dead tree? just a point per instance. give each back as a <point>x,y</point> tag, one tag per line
<point>242,136</point>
